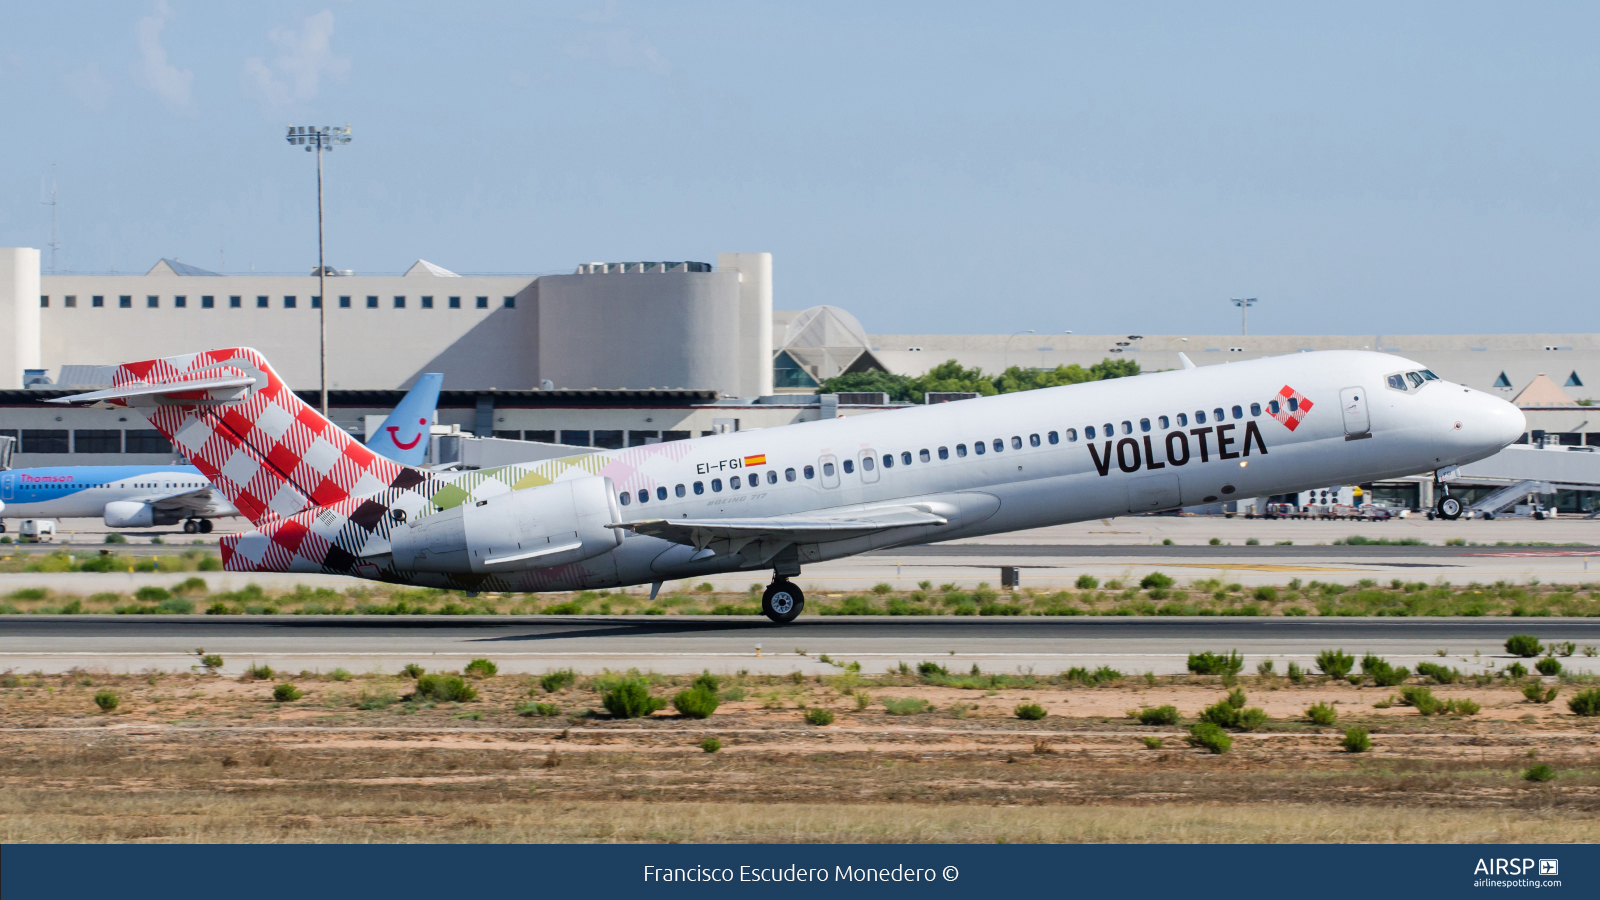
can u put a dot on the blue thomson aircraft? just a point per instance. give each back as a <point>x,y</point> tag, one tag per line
<point>149,496</point>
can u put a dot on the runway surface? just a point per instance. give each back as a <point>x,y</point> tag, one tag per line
<point>725,644</point>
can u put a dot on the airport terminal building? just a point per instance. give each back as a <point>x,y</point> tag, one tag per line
<point>609,355</point>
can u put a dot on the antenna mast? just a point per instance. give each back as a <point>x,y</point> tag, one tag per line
<point>55,243</point>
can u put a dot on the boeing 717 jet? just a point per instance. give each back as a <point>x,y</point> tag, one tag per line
<point>780,499</point>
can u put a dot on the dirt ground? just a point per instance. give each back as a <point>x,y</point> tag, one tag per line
<point>196,757</point>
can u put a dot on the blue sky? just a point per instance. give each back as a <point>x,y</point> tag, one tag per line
<point>1379,168</point>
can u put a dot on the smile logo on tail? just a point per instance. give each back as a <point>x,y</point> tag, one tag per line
<point>1289,407</point>
<point>394,435</point>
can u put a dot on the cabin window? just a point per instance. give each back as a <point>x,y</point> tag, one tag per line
<point>1238,411</point>
<point>1109,429</point>
<point>1272,407</point>
<point>1255,409</point>
<point>679,490</point>
<point>867,465</point>
<point>905,457</point>
<point>644,495</point>
<point>788,475</point>
<point>733,482</point>
<point>1127,427</point>
<point>1199,417</point>
<point>1088,432</point>
<point>699,487</point>
<point>810,473</point>
<point>1144,424</point>
<point>979,448</point>
<point>999,445</point>
<point>1162,421</point>
<point>961,450</point>
<point>661,493</point>
<point>888,460</point>
<point>943,454</point>
<point>849,466</point>
<point>1072,435</point>
<point>772,476</point>
<point>716,485</point>
<point>1016,442</point>
<point>1054,438</point>
<point>1294,404</point>
<point>625,498</point>
<point>1182,420</point>
<point>1219,414</point>
<point>827,470</point>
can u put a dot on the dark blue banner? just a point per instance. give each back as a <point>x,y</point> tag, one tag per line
<point>581,872</point>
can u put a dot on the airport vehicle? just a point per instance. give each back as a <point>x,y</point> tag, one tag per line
<point>36,531</point>
<point>781,498</point>
<point>149,496</point>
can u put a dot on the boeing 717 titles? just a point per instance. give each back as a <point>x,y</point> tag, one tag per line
<point>780,499</point>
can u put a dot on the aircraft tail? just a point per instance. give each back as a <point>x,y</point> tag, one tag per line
<point>403,437</point>
<point>268,452</point>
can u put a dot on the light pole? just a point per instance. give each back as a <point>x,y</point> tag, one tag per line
<point>1005,360</point>
<point>1244,313</point>
<point>321,138</point>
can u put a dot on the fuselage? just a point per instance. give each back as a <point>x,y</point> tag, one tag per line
<point>84,491</point>
<point>1157,441</point>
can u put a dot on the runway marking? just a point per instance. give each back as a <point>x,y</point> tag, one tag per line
<point>1257,567</point>
<point>1537,553</point>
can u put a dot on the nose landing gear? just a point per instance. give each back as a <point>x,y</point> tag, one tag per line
<point>1448,508</point>
<point>782,601</point>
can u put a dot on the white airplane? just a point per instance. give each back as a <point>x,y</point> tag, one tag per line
<point>781,498</point>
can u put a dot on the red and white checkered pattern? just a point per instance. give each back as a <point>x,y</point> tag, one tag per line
<point>269,453</point>
<point>1291,420</point>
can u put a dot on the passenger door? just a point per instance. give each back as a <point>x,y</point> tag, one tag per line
<point>1353,401</point>
<point>8,486</point>
<point>869,466</point>
<point>828,469</point>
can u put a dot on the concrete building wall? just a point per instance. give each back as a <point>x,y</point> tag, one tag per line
<point>641,330</point>
<point>755,319</point>
<point>19,314</point>
<point>383,347</point>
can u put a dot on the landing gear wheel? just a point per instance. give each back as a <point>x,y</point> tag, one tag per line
<point>189,526</point>
<point>205,526</point>
<point>782,602</point>
<point>2,528</point>
<point>1449,508</point>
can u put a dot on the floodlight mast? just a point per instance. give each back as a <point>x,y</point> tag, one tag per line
<point>1244,305</point>
<point>320,138</point>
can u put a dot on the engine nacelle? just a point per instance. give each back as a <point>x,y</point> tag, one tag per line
<point>133,514</point>
<point>533,528</point>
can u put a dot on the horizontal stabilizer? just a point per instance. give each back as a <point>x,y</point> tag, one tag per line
<point>177,390</point>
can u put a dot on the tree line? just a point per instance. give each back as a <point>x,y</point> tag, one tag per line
<point>950,375</point>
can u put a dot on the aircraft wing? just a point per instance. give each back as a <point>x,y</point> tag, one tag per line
<point>197,499</point>
<point>702,533</point>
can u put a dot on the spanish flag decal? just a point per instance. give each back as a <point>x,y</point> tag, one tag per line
<point>760,459</point>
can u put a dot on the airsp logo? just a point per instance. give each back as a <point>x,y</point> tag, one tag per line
<point>1500,866</point>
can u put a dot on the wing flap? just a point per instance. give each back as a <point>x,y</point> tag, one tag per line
<point>701,533</point>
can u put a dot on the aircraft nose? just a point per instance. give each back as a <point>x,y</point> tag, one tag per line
<point>1496,422</point>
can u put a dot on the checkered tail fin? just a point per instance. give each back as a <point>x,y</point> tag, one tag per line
<point>268,452</point>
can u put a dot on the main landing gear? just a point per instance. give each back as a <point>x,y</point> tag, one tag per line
<point>193,526</point>
<point>782,601</point>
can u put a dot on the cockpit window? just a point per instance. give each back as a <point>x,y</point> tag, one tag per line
<point>1430,376</point>
<point>1416,378</point>
<point>1398,382</point>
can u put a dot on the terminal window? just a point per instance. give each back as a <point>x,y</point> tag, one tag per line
<point>455,302</point>
<point>608,440</point>
<point>44,300</point>
<point>509,435</point>
<point>97,300</point>
<point>288,301</point>
<point>344,302</point>
<point>316,302</point>
<point>97,440</point>
<point>235,301</point>
<point>574,438</point>
<point>152,301</point>
<point>46,440</point>
<point>125,301</point>
<point>427,303</point>
<point>263,302</point>
<point>181,302</point>
<point>147,440</point>
<point>543,437</point>
<point>483,302</point>
<point>674,436</point>
<point>399,303</point>
<point>70,301</point>
<point>372,302</point>
<point>208,301</point>
<point>511,303</point>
